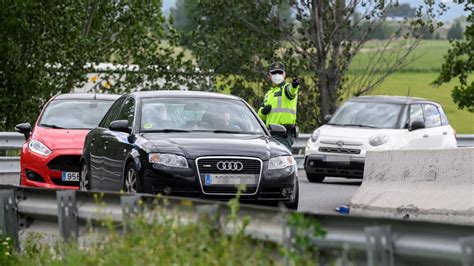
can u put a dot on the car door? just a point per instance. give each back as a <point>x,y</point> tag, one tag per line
<point>116,148</point>
<point>449,134</point>
<point>98,140</point>
<point>434,130</point>
<point>417,139</point>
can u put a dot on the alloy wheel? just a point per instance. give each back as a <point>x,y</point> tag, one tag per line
<point>131,181</point>
<point>83,181</point>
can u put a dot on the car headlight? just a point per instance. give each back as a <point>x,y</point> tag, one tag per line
<point>315,135</point>
<point>378,140</point>
<point>281,162</point>
<point>171,160</point>
<point>37,147</point>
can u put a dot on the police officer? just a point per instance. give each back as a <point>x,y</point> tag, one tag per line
<point>279,105</point>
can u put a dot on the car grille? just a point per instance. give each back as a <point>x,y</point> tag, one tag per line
<point>69,163</point>
<point>339,150</point>
<point>59,182</point>
<point>209,166</point>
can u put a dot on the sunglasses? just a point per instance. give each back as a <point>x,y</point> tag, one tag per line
<point>277,72</point>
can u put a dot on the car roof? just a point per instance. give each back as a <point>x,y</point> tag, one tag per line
<point>391,99</point>
<point>86,96</point>
<point>183,94</point>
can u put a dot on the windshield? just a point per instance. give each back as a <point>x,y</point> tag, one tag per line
<point>198,114</point>
<point>368,114</point>
<point>74,114</point>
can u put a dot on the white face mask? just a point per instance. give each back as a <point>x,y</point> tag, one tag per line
<point>277,78</point>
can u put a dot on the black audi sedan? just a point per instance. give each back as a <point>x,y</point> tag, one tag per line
<point>193,144</point>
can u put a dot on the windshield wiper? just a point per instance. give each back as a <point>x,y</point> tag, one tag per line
<point>233,132</point>
<point>51,126</point>
<point>357,125</point>
<point>167,130</point>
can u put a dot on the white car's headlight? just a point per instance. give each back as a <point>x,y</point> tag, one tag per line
<point>37,147</point>
<point>315,135</point>
<point>171,160</point>
<point>378,140</point>
<point>281,162</point>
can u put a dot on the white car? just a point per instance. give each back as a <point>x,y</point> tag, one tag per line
<point>369,123</point>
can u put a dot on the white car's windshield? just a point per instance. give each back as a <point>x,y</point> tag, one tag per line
<point>197,114</point>
<point>368,114</point>
<point>74,114</point>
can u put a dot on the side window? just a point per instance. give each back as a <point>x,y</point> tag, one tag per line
<point>416,113</point>
<point>112,113</point>
<point>444,118</point>
<point>432,116</point>
<point>128,111</point>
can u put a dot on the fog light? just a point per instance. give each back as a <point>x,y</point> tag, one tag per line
<point>167,190</point>
<point>286,192</point>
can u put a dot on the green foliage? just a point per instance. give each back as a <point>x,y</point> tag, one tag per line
<point>455,32</point>
<point>49,46</point>
<point>459,62</point>
<point>185,16</point>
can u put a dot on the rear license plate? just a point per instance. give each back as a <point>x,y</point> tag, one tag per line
<point>229,179</point>
<point>70,176</point>
<point>338,159</point>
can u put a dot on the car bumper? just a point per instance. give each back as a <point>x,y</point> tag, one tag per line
<point>318,164</point>
<point>45,171</point>
<point>275,186</point>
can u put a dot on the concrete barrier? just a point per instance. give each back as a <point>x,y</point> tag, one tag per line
<point>433,185</point>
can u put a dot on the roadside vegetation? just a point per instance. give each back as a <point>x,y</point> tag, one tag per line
<point>162,240</point>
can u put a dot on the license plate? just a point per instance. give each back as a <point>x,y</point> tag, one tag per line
<point>229,179</point>
<point>70,176</point>
<point>338,159</point>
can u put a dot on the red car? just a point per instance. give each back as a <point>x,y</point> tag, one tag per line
<point>50,156</point>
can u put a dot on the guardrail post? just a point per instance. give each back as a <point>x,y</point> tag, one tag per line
<point>9,216</point>
<point>67,214</point>
<point>379,246</point>
<point>467,246</point>
<point>130,207</point>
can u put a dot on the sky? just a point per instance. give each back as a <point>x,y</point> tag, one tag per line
<point>455,10</point>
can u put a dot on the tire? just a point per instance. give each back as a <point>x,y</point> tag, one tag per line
<point>315,178</point>
<point>293,205</point>
<point>84,178</point>
<point>132,180</point>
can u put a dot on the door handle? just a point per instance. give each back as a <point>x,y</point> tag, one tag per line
<point>445,133</point>
<point>425,136</point>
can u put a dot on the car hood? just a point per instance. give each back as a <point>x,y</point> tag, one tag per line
<point>194,145</point>
<point>328,131</point>
<point>57,139</point>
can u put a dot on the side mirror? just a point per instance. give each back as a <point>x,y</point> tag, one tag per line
<point>120,125</point>
<point>25,129</point>
<point>277,130</point>
<point>327,118</point>
<point>417,125</point>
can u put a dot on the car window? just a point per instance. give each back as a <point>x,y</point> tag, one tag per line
<point>416,113</point>
<point>444,118</point>
<point>74,113</point>
<point>432,116</point>
<point>368,114</point>
<point>112,113</point>
<point>198,114</point>
<point>128,111</point>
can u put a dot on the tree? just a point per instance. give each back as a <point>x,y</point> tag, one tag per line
<point>48,47</point>
<point>459,62</point>
<point>455,32</point>
<point>239,38</point>
<point>185,16</point>
<point>400,11</point>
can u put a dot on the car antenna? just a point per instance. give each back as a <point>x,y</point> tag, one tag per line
<point>409,88</point>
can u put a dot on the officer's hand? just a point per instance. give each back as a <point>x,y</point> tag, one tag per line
<point>295,83</point>
<point>266,109</point>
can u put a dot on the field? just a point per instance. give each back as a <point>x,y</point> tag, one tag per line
<point>417,76</point>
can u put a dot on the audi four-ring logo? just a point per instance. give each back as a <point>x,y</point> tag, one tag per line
<point>230,166</point>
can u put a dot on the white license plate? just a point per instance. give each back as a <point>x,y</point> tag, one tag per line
<point>338,159</point>
<point>229,179</point>
<point>70,176</point>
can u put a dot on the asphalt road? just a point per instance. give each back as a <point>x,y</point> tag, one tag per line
<point>317,198</point>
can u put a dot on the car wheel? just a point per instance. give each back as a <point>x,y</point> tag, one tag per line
<point>315,178</point>
<point>84,177</point>
<point>293,205</point>
<point>131,182</point>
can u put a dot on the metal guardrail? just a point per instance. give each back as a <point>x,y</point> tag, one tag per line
<point>14,141</point>
<point>69,214</point>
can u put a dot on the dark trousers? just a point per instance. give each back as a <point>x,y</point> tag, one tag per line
<point>287,141</point>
